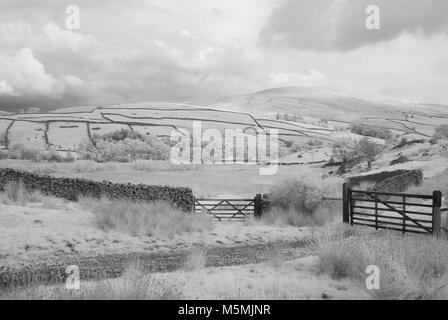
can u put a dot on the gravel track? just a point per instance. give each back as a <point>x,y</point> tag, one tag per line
<point>112,266</point>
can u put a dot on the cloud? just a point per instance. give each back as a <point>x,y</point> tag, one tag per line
<point>340,24</point>
<point>189,50</point>
<point>23,74</point>
<point>311,79</point>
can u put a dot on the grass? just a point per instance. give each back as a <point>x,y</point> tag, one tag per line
<point>196,260</point>
<point>336,257</point>
<point>15,194</point>
<point>154,165</point>
<point>411,267</point>
<point>132,285</point>
<point>323,215</point>
<point>158,219</point>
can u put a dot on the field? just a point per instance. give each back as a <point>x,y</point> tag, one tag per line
<point>205,180</point>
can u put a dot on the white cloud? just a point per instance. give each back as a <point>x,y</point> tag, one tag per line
<point>6,89</point>
<point>311,79</point>
<point>22,74</point>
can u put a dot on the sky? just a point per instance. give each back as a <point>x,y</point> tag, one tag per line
<point>193,50</point>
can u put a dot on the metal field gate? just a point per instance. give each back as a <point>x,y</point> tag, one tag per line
<point>229,209</point>
<point>403,212</point>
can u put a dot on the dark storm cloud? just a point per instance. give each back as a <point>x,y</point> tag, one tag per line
<point>340,24</point>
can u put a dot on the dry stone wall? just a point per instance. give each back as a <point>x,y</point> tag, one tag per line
<point>71,189</point>
<point>390,181</point>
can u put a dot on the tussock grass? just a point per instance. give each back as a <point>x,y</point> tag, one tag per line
<point>196,260</point>
<point>16,194</point>
<point>337,257</point>
<point>411,267</point>
<point>158,219</point>
<point>132,285</point>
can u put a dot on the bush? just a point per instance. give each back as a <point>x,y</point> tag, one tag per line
<point>123,146</point>
<point>365,148</point>
<point>19,151</point>
<point>300,200</point>
<point>441,132</point>
<point>296,194</point>
<point>342,150</point>
<point>371,131</point>
<point>159,219</point>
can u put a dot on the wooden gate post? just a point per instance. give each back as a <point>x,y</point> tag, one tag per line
<point>257,206</point>
<point>437,214</point>
<point>345,203</point>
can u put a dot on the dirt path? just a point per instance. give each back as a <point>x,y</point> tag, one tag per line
<point>111,266</point>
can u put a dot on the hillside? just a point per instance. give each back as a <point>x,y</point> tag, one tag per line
<point>315,104</point>
<point>318,115</point>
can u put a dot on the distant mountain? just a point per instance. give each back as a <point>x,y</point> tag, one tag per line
<point>315,102</point>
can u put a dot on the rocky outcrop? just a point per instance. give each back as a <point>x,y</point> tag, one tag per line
<point>400,159</point>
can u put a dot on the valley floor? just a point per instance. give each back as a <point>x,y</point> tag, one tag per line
<point>233,260</point>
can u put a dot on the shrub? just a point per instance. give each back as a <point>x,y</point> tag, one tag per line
<point>367,149</point>
<point>300,195</point>
<point>19,151</point>
<point>315,143</point>
<point>342,149</point>
<point>441,132</point>
<point>159,219</point>
<point>300,200</point>
<point>371,131</point>
<point>123,146</point>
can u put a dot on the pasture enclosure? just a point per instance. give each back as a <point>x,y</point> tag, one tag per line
<point>412,213</point>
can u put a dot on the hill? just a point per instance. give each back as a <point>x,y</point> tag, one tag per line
<point>300,115</point>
